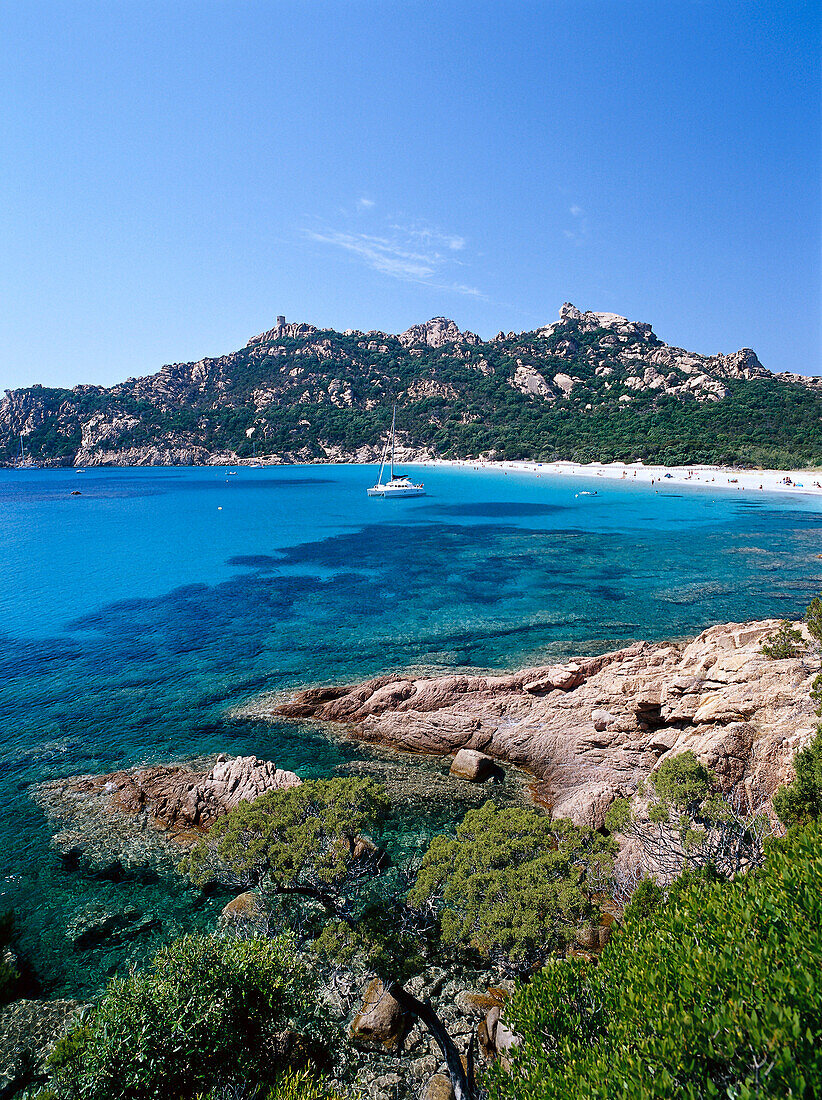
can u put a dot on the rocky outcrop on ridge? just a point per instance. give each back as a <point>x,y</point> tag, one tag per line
<point>592,729</point>
<point>435,333</point>
<point>141,818</point>
<point>296,393</point>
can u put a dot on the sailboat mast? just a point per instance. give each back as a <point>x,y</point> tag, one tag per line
<point>393,424</point>
<point>382,462</point>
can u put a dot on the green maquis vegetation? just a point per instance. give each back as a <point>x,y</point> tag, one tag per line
<point>513,884</point>
<point>715,991</point>
<point>208,1012</point>
<point>323,392</point>
<point>784,643</point>
<point>690,825</point>
<point>307,840</point>
<point>801,800</point>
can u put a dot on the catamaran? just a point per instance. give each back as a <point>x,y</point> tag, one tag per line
<point>398,485</point>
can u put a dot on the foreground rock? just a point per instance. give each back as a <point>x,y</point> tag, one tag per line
<point>393,1055</point>
<point>246,908</point>
<point>592,729</point>
<point>438,1087</point>
<point>140,818</point>
<point>380,1019</point>
<point>472,765</point>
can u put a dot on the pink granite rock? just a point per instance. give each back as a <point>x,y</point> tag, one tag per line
<point>590,730</point>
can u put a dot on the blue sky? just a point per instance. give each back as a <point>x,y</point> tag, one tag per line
<point>175,174</point>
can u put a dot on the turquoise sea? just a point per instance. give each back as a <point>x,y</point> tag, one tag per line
<point>137,614</point>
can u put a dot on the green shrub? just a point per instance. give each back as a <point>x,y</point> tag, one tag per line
<point>786,642</point>
<point>206,1012</point>
<point>813,618</point>
<point>299,1086</point>
<point>801,800</point>
<point>681,782</point>
<point>646,899</point>
<point>293,839</point>
<point>513,884</point>
<point>291,1085</point>
<point>715,992</point>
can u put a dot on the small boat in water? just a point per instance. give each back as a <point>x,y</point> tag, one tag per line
<point>398,485</point>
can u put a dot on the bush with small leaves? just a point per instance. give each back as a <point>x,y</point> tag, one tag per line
<point>206,1012</point>
<point>801,800</point>
<point>647,897</point>
<point>813,618</point>
<point>681,781</point>
<point>513,884</point>
<point>300,1086</point>
<point>301,840</point>
<point>291,1085</point>
<point>687,824</point>
<point>786,642</point>
<point>714,992</point>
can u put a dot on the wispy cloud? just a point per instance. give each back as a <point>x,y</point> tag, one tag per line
<point>379,252</point>
<point>415,252</point>
<point>579,230</point>
<point>432,238</point>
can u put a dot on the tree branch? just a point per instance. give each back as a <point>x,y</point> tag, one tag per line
<point>462,1081</point>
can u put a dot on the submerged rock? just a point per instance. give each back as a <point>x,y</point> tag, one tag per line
<point>97,926</point>
<point>28,1032</point>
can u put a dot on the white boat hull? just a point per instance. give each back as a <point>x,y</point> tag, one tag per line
<point>391,491</point>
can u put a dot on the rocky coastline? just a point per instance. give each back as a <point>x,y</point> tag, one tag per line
<point>588,731</point>
<point>591,730</point>
<point>141,820</point>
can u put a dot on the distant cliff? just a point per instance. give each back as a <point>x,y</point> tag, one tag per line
<point>589,386</point>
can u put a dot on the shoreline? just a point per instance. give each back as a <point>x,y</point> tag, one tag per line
<point>792,482</point>
<point>592,728</point>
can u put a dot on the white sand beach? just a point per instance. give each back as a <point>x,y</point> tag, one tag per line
<point>708,477</point>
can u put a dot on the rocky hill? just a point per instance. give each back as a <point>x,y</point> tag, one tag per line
<point>590,386</point>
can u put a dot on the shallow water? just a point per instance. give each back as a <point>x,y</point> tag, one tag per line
<point>136,615</point>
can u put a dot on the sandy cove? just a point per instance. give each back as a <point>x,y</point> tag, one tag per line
<point>792,482</point>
